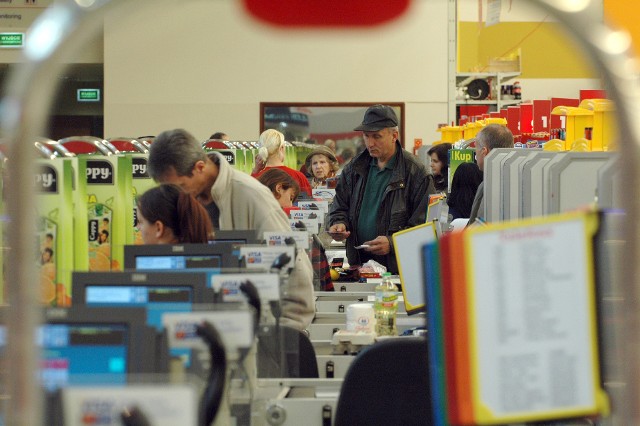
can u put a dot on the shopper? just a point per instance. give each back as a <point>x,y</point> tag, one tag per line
<point>168,215</point>
<point>321,164</point>
<point>464,186</point>
<point>220,136</point>
<point>439,155</point>
<point>490,137</point>
<point>286,190</point>
<point>271,155</point>
<point>234,200</point>
<point>383,190</point>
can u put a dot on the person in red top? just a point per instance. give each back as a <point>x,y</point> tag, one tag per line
<point>271,155</point>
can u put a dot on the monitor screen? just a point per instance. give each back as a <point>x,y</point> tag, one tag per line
<point>156,299</point>
<point>178,262</point>
<point>157,292</point>
<point>72,353</point>
<point>207,257</point>
<point>80,345</point>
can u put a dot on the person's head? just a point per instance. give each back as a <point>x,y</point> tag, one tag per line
<point>331,144</point>
<point>490,137</point>
<point>169,215</point>
<point>282,185</point>
<point>439,155</point>
<point>271,144</point>
<point>348,154</point>
<point>103,237</point>
<point>47,255</point>
<point>175,156</point>
<point>380,131</point>
<point>321,163</point>
<point>219,135</point>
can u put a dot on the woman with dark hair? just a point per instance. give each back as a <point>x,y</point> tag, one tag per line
<point>286,191</point>
<point>169,215</point>
<point>464,185</point>
<point>282,185</point>
<point>439,155</point>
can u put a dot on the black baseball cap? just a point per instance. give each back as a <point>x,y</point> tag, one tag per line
<point>378,117</point>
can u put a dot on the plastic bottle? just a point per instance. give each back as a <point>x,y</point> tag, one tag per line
<point>386,306</point>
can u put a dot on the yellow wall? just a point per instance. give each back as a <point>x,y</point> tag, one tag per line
<point>546,51</point>
<point>624,14</point>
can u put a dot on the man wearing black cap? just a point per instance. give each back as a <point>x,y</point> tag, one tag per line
<point>383,190</point>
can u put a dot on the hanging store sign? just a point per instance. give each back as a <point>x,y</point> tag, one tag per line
<point>327,13</point>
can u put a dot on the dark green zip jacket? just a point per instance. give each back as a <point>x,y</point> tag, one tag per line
<point>404,204</point>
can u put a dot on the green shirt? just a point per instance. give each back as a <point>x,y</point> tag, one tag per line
<point>377,182</point>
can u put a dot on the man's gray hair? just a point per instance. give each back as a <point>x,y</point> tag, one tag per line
<point>495,136</point>
<point>174,149</point>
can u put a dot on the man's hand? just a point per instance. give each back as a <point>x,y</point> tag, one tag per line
<point>339,232</point>
<point>379,246</point>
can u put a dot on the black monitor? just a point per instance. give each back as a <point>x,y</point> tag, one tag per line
<point>241,236</point>
<point>157,292</point>
<point>82,345</point>
<point>180,257</point>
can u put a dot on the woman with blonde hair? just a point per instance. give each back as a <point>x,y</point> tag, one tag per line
<point>271,155</point>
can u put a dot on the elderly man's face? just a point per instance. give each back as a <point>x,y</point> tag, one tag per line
<point>381,144</point>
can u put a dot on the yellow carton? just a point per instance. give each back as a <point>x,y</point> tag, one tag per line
<point>576,120</point>
<point>451,133</point>
<point>604,122</point>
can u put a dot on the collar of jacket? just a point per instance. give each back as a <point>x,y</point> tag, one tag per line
<point>221,189</point>
<point>361,164</point>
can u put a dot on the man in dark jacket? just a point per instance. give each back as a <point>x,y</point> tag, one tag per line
<point>383,190</point>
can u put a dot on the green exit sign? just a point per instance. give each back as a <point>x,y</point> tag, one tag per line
<point>88,95</point>
<point>11,40</point>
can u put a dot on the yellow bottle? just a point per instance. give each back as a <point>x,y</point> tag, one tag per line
<point>386,307</point>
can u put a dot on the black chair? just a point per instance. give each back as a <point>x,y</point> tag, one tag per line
<point>387,384</point>
<point>285,352</point>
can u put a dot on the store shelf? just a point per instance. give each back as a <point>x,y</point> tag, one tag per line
<point>495,79</point>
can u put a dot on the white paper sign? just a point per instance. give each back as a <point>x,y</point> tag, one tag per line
<point>307,214</point>
<point>235,328</point>
<point>279,238</point>
<point>323,205</point>
<point>324,194</point>
<point>166,405</point>
<point>311,225</point>
<point>267,284</point>
<point>262,257</point>
<point>532,294</point>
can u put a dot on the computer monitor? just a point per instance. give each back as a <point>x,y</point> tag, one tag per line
<point>210,257</point>
<point>82,345</point>
<point>157,292</point>
<point>242,236</point>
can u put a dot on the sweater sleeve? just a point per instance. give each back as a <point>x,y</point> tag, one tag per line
<point>297,298</point>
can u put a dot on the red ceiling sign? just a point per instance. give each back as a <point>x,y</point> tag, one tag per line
<point>326,13</point>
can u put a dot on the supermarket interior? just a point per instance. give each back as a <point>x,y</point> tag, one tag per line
<point>282,212</point>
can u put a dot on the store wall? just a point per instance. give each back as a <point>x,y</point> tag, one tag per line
<point>206,66</point>
<point>550,63</point>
